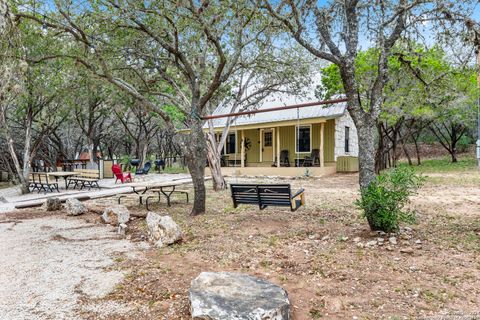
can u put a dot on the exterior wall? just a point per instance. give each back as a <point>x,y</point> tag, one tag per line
<point>287,142</point>
<point>340,124</point>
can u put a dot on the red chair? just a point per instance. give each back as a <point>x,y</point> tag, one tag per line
<point>119,175</point>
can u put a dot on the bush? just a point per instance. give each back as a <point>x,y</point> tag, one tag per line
<point>463,144</point>
<point>383,201</point>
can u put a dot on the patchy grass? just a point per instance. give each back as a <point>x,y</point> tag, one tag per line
<point>445,165</point>
<point>174,170</point>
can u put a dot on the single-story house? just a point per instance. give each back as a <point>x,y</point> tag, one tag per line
<point>322,138</point>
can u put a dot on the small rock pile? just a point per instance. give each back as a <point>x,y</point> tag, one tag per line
<point>390,241</point>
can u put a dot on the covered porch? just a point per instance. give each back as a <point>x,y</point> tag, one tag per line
<point>282,145</point>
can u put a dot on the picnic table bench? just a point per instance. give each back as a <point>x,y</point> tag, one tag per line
<point>39,181</point>
<point>265,195</point>
<point>84,178</point>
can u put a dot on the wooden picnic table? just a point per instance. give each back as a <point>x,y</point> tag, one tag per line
<point>62,174</point>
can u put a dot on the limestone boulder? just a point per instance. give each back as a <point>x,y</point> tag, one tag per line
<point>162,230</point>
<point>226,295</point>
<point>116,215</point>
<point>75,207</point>
<point>52,204</point>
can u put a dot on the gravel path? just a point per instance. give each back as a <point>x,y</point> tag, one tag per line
<point>47,264</point>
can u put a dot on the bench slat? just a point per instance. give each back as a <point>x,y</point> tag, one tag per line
<point>264,195</point>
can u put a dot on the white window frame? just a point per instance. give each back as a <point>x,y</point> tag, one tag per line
<point>296,137</point>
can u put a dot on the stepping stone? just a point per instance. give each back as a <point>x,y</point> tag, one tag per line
<point>227,295</point>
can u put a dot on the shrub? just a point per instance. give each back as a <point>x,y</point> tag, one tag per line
<point>384,200</point>
<point>464,143</point>
<point>125,162</point>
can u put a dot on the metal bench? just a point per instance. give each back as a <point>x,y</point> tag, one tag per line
<point>264,195</point>
<point>39,181</point>
<point>84,178</point>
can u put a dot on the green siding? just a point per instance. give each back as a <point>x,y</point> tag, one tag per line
<point>287,141</point>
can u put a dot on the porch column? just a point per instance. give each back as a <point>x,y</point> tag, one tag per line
<point>278,146</point>
<point>260,138</point>
<point>242,153</point>
<point>322,129</point>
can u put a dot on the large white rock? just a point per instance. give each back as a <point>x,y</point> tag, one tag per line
<point>116,215</point>
<point>75,207</point>
<point>236,296</point>
<point>162,230</point>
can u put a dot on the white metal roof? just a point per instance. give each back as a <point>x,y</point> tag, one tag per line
<point>279,100</point>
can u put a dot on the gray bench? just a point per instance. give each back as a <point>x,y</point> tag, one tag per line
<point>264,195</point>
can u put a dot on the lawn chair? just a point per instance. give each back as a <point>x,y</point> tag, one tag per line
<point>120,175</point>
<point>312,159</point>
<point>145,168</point>
<point>284,159</point>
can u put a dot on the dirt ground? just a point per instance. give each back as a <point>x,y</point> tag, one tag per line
<point>332,266</point>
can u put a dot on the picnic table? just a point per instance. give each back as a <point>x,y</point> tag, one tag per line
<point>167,188</point>
<point>62,174</point>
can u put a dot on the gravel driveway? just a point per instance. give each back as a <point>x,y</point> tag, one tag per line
<point>47,264</point>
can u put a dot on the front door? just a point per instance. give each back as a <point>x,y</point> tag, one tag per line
<point>267,145</point>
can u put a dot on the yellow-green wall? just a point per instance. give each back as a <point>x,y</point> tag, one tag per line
<point>287,141</point>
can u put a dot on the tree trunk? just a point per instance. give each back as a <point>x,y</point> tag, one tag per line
<point>417,151</point>
<point>91,152</point>
<point>195,151</point>
<point>143,155</point>
<point>21,173</point>
<point>407,154</point>
<point>366,154</point>
<point>26,156</point>
<point>367,130</point>
<point>215,164</point>
<point>380,155</point>
<point>453,153</point>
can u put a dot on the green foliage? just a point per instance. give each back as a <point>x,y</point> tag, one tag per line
<point>174,170</point>
<point>464,143</point>
<point>383,201</point>
<point>125,161</point>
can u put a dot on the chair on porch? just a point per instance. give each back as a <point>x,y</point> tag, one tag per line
<point>312,159</point>
<point>284,159</point>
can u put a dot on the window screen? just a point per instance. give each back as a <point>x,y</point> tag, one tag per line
<point>347,139</point>
<point>231,143</point>
<point>303,139</point>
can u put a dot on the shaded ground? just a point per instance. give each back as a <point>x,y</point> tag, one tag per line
<point>322,255</point>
